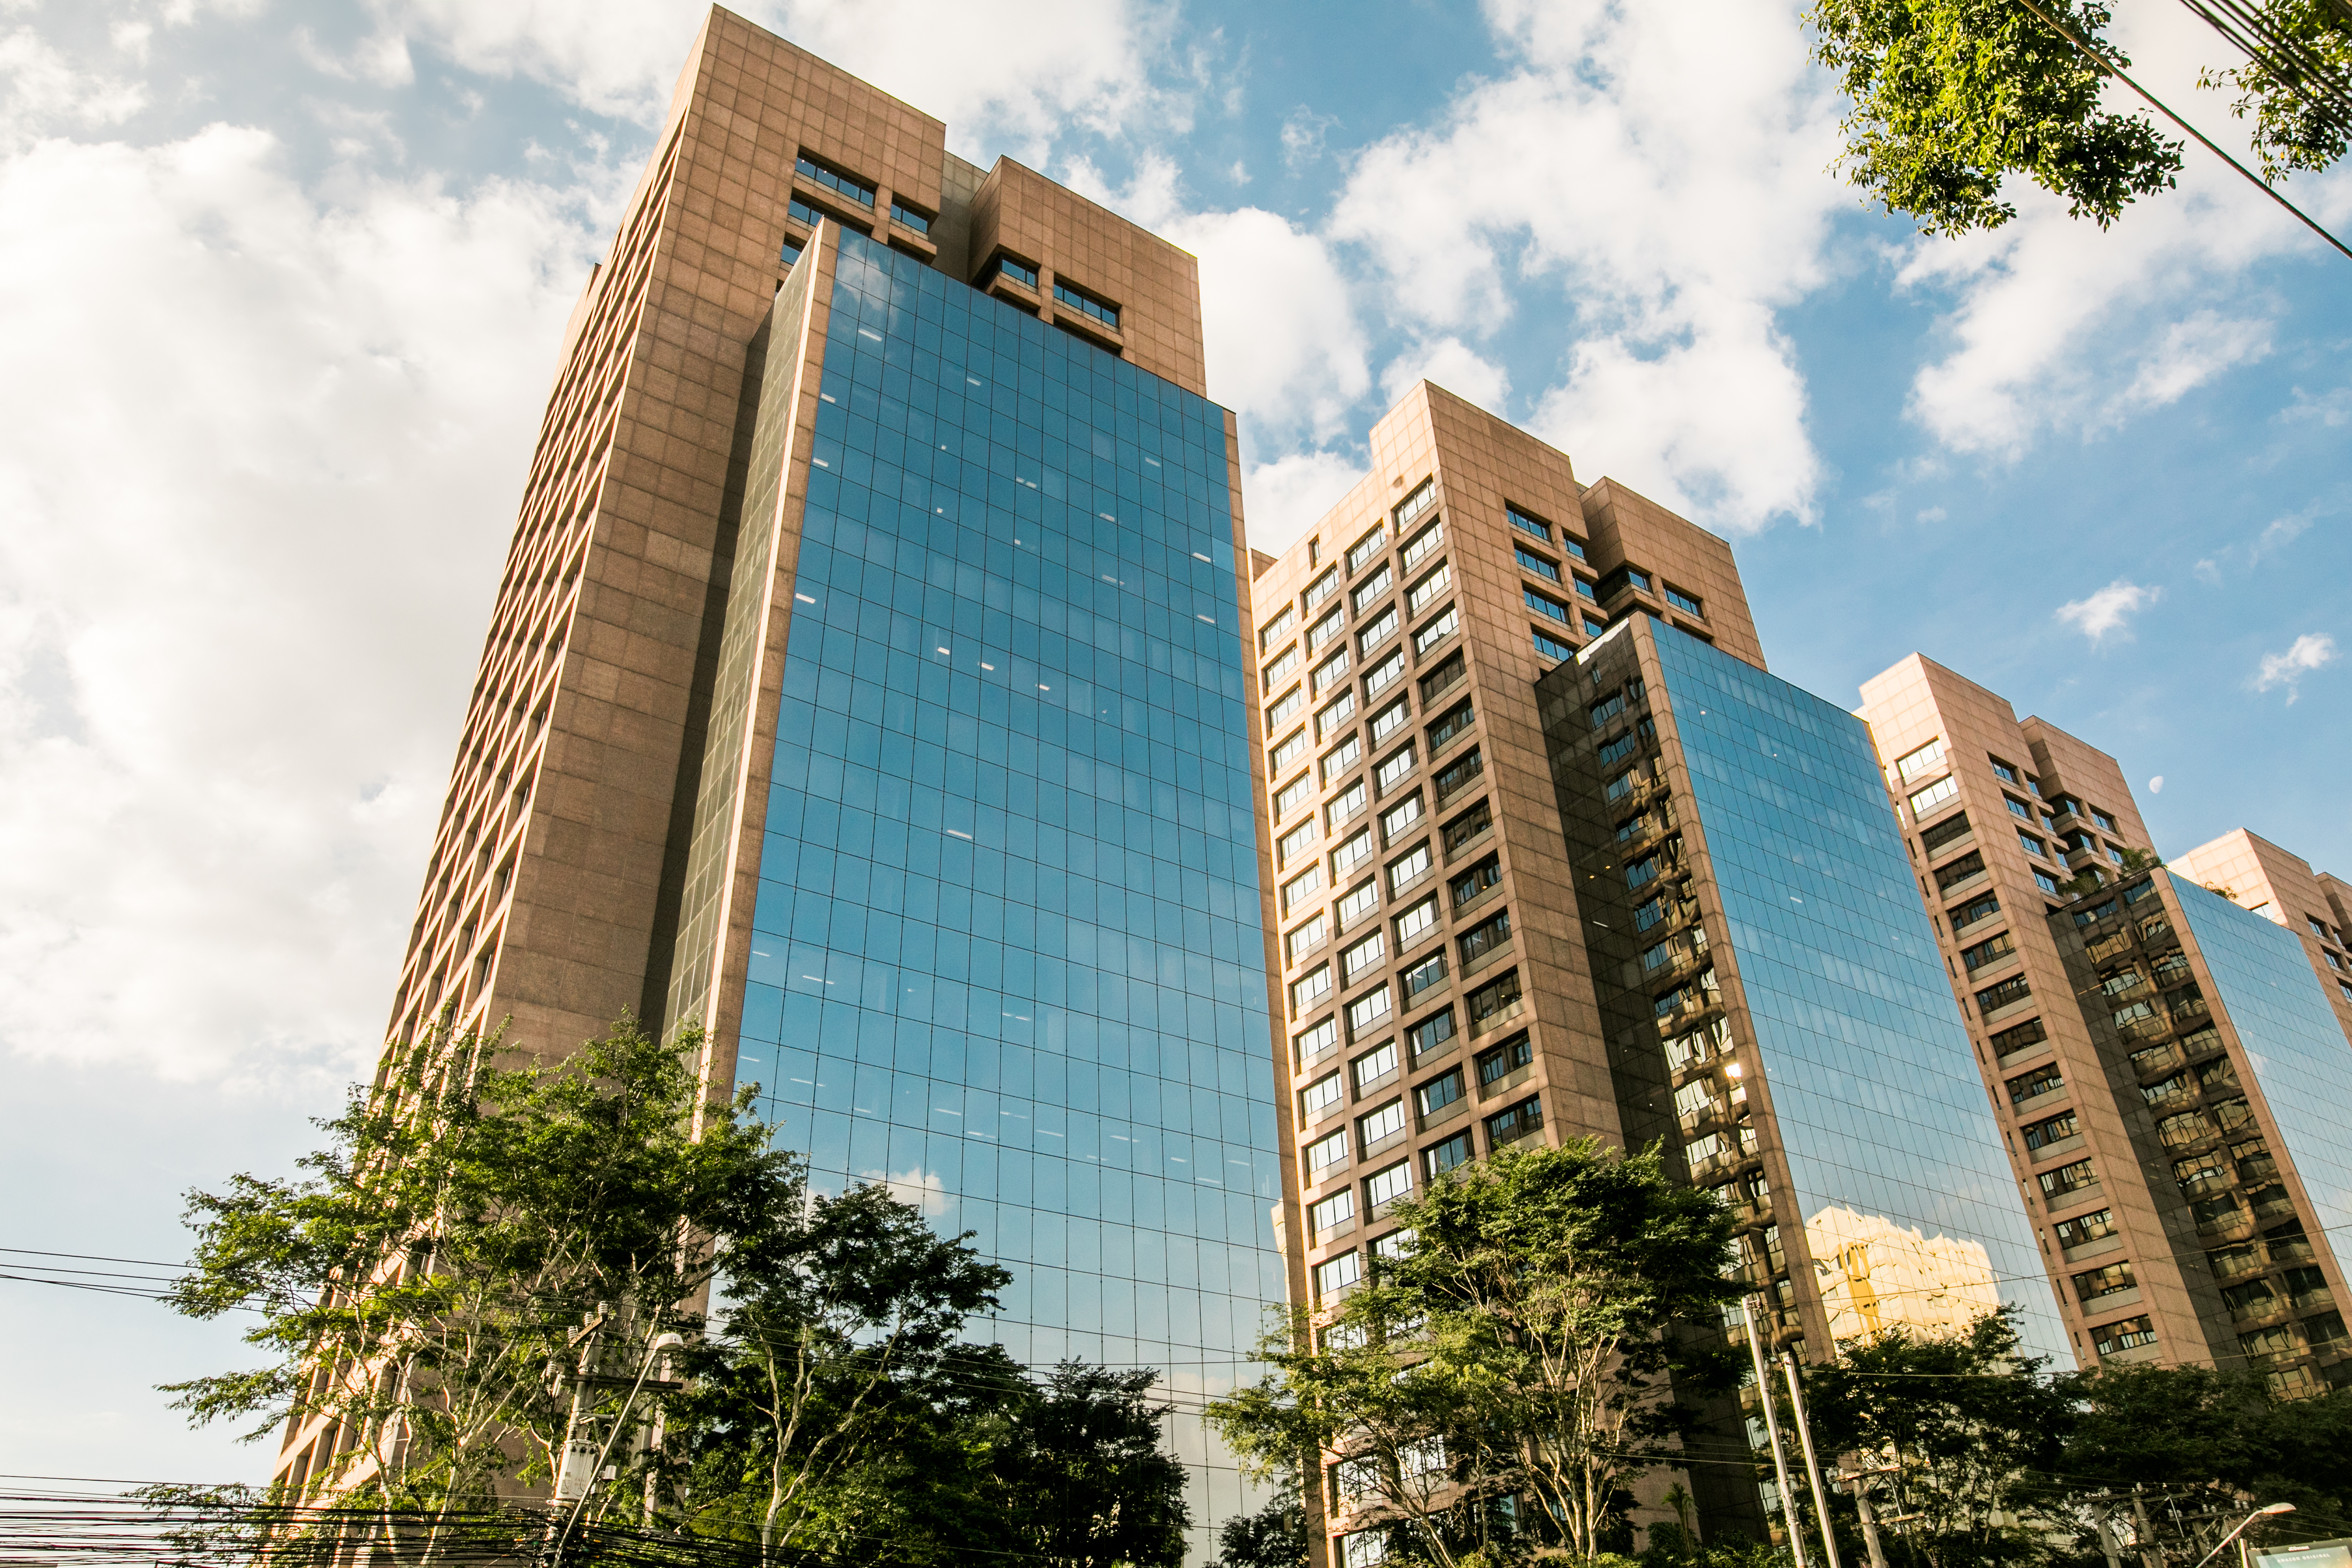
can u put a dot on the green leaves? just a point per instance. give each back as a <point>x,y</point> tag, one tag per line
<point>1952,96</point>
<point>2296,93</point>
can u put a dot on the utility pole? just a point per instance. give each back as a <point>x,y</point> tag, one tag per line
<point>1813,1465</point>
<point>2103,1519</point>
<point>1772,1429</point>
<point>2150,1554</point>
<point>1860,1478</point>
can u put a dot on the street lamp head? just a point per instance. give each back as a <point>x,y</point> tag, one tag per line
<point>672,1341</point>
<point>2275,1508</point>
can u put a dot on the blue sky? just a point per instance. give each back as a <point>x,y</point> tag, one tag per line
<point>284,286</point>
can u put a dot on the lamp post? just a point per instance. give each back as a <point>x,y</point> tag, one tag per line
<point>2264,1511</point>
<point>574,1482</point>
<point>1789,1511</point>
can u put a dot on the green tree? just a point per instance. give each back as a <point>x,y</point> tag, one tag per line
<point>1973,1428</point>
<point>1521,1344</point>
<point>2298,97</point>
<point>1078,1470</point>
<point>2168,1428</point>
<point>1949,97</point>
<point>1273,1537</point>
<point>424,1284</point>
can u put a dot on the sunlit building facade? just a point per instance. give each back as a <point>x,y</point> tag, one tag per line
<point>867,685</point>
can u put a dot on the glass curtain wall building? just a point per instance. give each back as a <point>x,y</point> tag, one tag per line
<point>867,685</point>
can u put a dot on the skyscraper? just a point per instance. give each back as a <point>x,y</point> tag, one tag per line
<point>867,683</point>
<point>2158,1057</point>
<point>1558,857</point>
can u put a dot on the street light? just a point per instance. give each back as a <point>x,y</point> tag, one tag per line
<point>664,1341</point>
<point>2265,1510</point>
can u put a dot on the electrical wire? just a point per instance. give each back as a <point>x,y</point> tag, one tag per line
<point>2252,33</point>
<point>2100,59</point>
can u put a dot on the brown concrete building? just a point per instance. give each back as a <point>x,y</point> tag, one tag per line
<point>1524,893</point>
<point>2256,874</point>
<point>2133,1041</point>
<point>866,683</point>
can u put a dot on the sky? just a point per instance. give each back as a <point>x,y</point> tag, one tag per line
<point>283,286</point>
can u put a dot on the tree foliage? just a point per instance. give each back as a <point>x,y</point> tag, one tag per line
<point>1952,96</point>
<point>472,1237</point>
<point>1521,1345</point>
<point>2297,121</point>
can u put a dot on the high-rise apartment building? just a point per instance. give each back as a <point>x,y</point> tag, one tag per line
<point>1558,857</point>
<point>867,683</point>
<point>2166,1067</point>
<point>2279,885</point>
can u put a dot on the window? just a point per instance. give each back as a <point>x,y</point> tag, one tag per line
<point>1316,1100</point>
<point>905,217</point>
<point>1505,1060</point>
<point>1337,1210</point>
<point>2114,1339</point>
<point>1526,525</point>
<point>1086,304</point>
<point>1431,1036</point>
<point>1291,797</point>
<point>1490,934</point>
<point>1420,547</point>
<point>1342,757</point>
<point>1296,839</point>
<point>1911,764</point>
<point>1451,724</point>
<point>1440,1158</point>
<point>1551,648</point>
<point>1374,1066</point>
<point>1003,265</point>
<point>1949,831</point>
<point>2112,1281</point>
<point>2010,1041</point>
<point>1544,605</point>
<point>1390,719</point>
<point>2083,1229</point>
<point>1429,971</point>
<point>1622,578</point>
<point>1993,950</point>
<point>1364,549</point>
<point>1386,1186</point>
<point>1993,998</point>
<point>1415,924</point>
<point>1330,1277</point>
<point>1324,630</point>
<point>1301,887</point>
<point>1437,1094</point>
<point>1387,674</point>
<point>2003,771</point>
<point>1583,586</point>
<point>1520,1122</point>
<point>2053,1130</point>
<point>2107,823</point>
<point>1310,988</point>
<point>790,251</point>
<point>1953,873</point>
<point>1280,712</point>
<point>1468,827</point>
<point>1368,1010</point>
<point>1688,603</point>
<point>1318,1041</point>
<point>2034,786</point>
<point>1423,594</point>
<point>1531,562</point>
<point>1361,901</point>
<point>1325,1152</point>
<point>2016,806</point>
<point>1974,911</point>
<point>1351,854</point>
<point>2045,881</point>
<point>1349,801</point>
<point>1486,874</point>
<point>1394,767</point>
<point>1460,775</point>
<point>1424,496</point>
<point>1371,588</point>
<point>2042,1080</point>
<point>1926,800</point>
<point>840,181</point>
<point>1278,628</point>
<point>1592,627</point>
<point>1497,999</point>
<point>1330,670</point>
<point>1383,627</point>
<point>1363,956</point>
<point>1281,668</point>
<point>1386,1122</point>
<point>2066,1179</point>
<point>1407,870</point>
<point>1337,714</point>
<point>1400,817</point>
<point>2032,846</point>
<point>1306,939</point>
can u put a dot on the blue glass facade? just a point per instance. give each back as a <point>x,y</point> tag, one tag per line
<point>1008,950</point>
<point>2266,989</point>
<point>1874,1090</point>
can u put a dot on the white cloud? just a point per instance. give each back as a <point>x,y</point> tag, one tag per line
<point>42,93</point>
<point>1451,364</point>
<point>1661,166</point>
<point>1302,136</point>
<point>2156,784</point>
<point>925,1190</point>
<point>1067,61</point>
<point>2106,611</point>
<point>1283,498</point>
<point>257,461</point>
<point>1932,514</point>
<point>2313,650</point>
